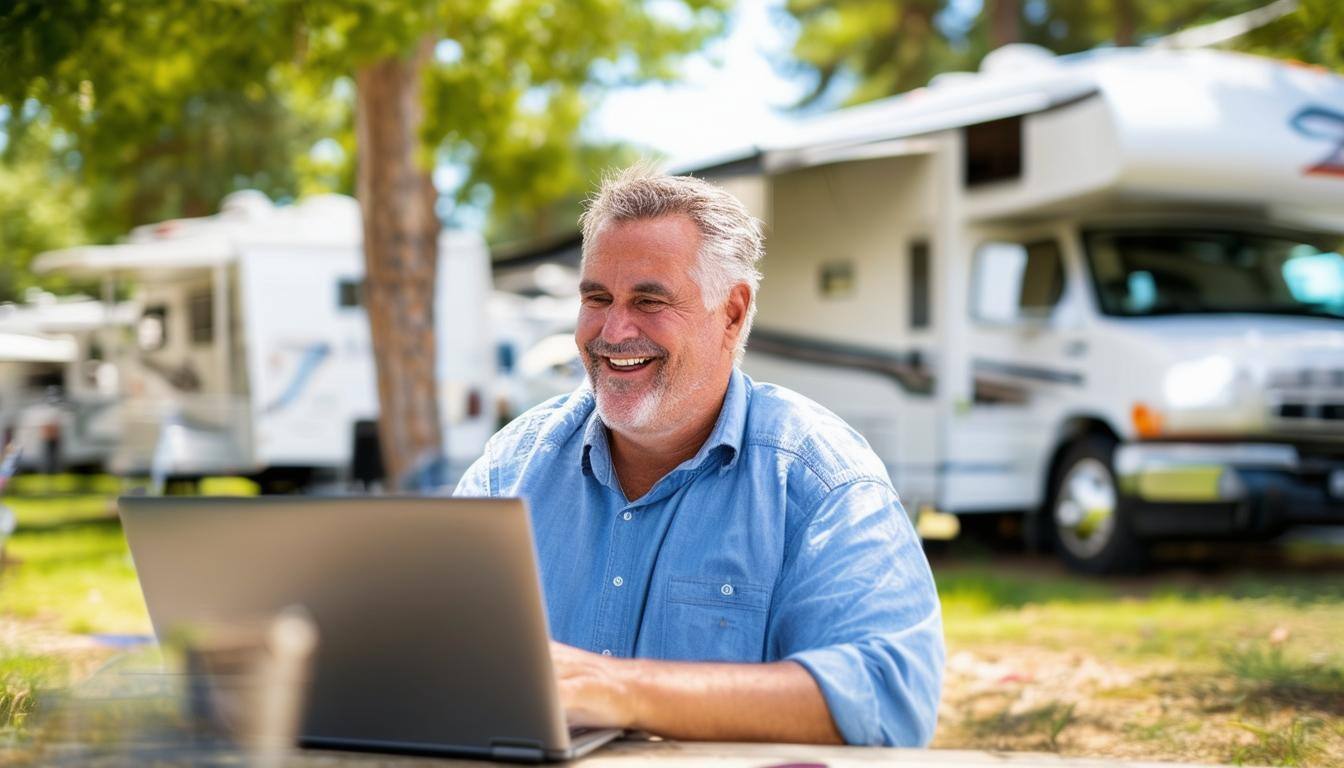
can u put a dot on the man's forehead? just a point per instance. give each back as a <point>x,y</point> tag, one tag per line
<point>646,255</point>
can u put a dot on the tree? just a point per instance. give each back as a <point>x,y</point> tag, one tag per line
<point>873,47</point>
<point>468,80</point>
<point>876,48</point>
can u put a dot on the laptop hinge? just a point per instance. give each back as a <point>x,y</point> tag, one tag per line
<point>517,750</point>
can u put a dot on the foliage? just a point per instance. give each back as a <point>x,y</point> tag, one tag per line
<point>40,210</point>
<point>169,106</point>
<point>868,49</point>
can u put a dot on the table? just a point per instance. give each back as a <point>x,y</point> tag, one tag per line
<point>638,754</point>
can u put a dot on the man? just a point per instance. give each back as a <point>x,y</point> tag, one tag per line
<point>722,560</point>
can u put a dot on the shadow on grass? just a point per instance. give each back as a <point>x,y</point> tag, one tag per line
<point>1016,581</point>
<point>1035,728</point>
<point>1267,675</point>
<point>100,524</point>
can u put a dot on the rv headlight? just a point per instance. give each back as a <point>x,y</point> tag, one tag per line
<point>1202,383</point>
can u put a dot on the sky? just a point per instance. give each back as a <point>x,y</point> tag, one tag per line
<point>731,95</point>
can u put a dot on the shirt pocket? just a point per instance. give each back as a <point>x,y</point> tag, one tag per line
<point>715,620</point>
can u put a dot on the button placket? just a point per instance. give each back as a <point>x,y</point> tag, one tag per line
<point>613,636</point>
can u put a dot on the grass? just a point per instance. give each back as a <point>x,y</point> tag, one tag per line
<point>73,575</point>
<point>22,676</point>
<point>1241,666</point>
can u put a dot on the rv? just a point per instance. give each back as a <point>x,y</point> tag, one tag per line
<point>251,353</point>
<point>1102,294</point>
<point>58,392</point>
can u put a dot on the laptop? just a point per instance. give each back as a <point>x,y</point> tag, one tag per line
<point>432,633</point>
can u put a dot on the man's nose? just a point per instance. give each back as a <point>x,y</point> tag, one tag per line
<point>619,325</point>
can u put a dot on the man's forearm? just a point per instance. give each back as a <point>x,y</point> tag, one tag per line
<point>778,701</point>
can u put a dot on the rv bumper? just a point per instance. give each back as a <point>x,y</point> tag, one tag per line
<point>1251,490</point>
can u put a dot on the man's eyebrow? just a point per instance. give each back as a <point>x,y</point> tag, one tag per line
<point>589,286</point>
<point>653,289</point>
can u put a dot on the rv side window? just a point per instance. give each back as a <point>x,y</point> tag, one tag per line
<point>993,151</point>
<point>350,293</point>
<point>1015,282</point>
<point>837,280</point>
<point>201,315</point>
<point>919,285</point>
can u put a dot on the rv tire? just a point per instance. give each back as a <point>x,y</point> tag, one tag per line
<point>1087,514</point>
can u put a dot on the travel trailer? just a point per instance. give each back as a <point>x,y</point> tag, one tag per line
<point>58,392</point>
<point>1102,292</point>
<point>251,353</point>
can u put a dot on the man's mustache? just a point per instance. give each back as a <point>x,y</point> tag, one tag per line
<point>625,349</point>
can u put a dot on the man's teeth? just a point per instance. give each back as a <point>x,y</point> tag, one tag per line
<point>629,361</point>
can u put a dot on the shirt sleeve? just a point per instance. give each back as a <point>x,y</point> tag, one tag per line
<point>856,606</point>
<point>476,480</point>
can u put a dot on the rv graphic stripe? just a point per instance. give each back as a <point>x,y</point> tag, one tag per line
<point>1316,122</point>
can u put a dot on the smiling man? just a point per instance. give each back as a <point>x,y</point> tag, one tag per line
<point>722,559</point>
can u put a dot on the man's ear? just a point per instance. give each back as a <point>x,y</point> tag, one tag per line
<point>735,309</point>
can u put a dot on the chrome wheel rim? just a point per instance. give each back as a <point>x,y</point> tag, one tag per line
<point>1085,508</point>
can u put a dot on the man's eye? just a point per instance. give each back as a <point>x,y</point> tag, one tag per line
<point>649,304</point>
<point>596,301</point>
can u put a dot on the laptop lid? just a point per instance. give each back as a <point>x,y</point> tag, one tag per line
<point>432,630</point>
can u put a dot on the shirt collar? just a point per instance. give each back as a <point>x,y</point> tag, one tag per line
<point>727,434</point>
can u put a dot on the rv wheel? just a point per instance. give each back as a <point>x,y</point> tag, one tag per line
<point>1091,529</point>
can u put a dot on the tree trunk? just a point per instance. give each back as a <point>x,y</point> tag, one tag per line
<point>396,195</point>
<point>1125,24</point>
<point>1004,23</point>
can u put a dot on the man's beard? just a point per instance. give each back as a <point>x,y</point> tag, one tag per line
<point>645,411</point>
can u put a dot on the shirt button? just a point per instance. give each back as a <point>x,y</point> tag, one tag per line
<point>618,581</point>
<point>606,651</point>
<point>726,589</point>
<point>627,516</point>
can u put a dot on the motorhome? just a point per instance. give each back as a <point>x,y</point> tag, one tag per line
<point>1102,294</point>
<point>251,354</point>
<point>58,392</point>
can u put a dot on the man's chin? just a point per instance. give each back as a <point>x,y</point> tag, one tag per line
<point>625,412</point>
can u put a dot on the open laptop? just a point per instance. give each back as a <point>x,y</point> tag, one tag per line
<point>432,631</point>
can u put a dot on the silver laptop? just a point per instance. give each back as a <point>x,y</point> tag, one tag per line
<point>432,630</point>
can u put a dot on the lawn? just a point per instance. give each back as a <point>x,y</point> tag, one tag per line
<point>1237,662</point>
<point>1237,665</point>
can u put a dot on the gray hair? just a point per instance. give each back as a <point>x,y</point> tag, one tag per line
<point>730,237</point>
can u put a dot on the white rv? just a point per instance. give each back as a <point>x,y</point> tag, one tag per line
<point>251,354</point>
<point>58,391</point>
<point>1103,291</point>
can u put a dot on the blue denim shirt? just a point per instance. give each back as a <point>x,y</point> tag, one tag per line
<point>782,538</point>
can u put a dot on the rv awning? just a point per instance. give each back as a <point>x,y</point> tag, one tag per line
<point>22,348</point>
<point>137,258</point>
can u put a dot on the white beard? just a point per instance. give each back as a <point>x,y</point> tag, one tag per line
<point>637,418</point>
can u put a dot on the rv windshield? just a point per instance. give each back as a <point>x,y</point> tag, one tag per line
<point>1143,273</point>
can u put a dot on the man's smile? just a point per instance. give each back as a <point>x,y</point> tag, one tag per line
<point>627,364</point>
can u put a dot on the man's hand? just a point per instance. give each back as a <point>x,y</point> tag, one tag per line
<point>591,688</point>
<point>778,701</point>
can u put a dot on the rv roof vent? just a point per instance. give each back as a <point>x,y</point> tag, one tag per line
<point>246,204</point>
<point>1015,58</point>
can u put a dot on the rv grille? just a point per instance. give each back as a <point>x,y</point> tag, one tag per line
<point>1307,398</point>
